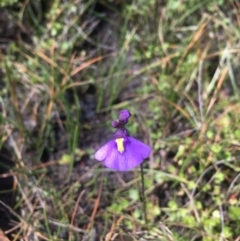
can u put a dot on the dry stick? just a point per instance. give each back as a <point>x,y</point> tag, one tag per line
<point>96,204</point>
<point>199,82</point>
<point>143,195</point>
<point>75,211</point>
<point>110,234</point>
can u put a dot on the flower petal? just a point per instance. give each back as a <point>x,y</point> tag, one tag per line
<point>105,150</point>
<point>112,159</point>
<point>134,154</point>
<point>139,147</point>
<point>129,159</point>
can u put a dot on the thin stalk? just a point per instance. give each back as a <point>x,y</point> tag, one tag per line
<point>143,196</point>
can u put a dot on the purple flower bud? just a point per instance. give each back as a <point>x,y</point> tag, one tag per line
<point>124,116</point>
<point>115,124</point>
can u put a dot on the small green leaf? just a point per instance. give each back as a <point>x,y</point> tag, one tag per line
<point>234,213</point>
<point>66,159</point>
<point>134,194</point>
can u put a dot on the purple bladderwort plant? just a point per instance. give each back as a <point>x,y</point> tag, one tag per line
<point>123,152</point>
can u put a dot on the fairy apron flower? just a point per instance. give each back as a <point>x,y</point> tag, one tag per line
<point>123,152</point>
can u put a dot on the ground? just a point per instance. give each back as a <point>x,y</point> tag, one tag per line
<point>68,68</point>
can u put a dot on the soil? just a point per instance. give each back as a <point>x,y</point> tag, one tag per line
<point>90,137</point>
<point>7,192</point>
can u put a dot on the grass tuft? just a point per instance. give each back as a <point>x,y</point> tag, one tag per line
<point>67,68</point>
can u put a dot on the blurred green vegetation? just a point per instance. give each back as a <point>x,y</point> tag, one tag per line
<point>66,69</point>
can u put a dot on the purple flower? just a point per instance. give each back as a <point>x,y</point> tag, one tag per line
<point>123,153</point>
<point>123,117</point>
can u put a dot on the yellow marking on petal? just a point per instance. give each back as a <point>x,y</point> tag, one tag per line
<point>120,145</point>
